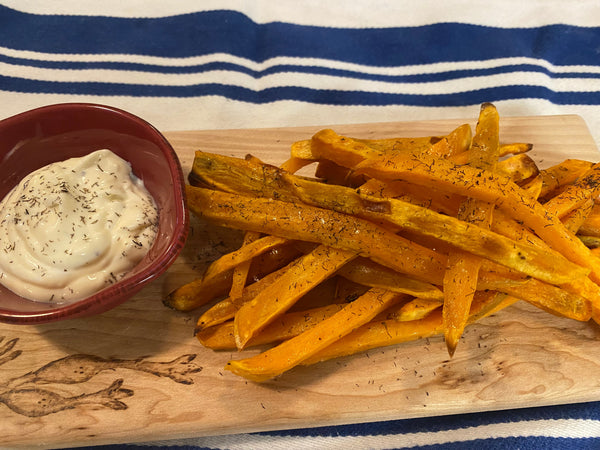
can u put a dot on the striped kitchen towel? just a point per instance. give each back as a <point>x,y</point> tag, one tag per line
<point>236,64</point>
<point>262,64</point>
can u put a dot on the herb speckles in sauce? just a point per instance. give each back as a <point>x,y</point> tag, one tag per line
<point>73,227</point>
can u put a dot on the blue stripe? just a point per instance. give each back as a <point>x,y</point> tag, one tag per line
<point>584,411</point>
<point>232,32</point>
<point>316,96</point>
<point>287,68</point>
<point>528,443</point>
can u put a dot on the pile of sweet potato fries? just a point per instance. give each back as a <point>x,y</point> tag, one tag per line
<point>392,240</point>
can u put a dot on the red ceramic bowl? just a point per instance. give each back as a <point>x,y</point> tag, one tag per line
<point>53,133</point>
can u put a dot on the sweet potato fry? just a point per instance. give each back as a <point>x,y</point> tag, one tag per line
<point>331,173</point>
<point>515,148</point>
<point>460,285</point>
<point>381,333</point>
<point>226,308</point>
<point>415,309</point>
<point>557,301</point>
<point>391,332</point>
<point>292,165</point>
<point>460,279</point>
<point>576,218</point>
<point>555,178</point>
<point>301,150</point>
<point>518,168</point>
<point>458,140</point>
<point>585,188</point>
<point>199,292</point>
<point>233,176</point>
<point>533,187</point>
<point>506,226</point>
<point>203,290</point>
<point>243,254</point>
<point>454,143</point>
<point>275,361</point>
<point>275,299</point>
<point>366,272</point>
<point>394,240</point>
<point>591,225</point>
<point>221,337</point>
<point>434,200</point>
<point>317,225</point>
<point>240,271</point>
<point>463,180</point>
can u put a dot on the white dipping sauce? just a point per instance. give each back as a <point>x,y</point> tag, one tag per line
<point>71,228</point>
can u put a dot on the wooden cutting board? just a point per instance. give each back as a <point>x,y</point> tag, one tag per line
<point>136,373</point>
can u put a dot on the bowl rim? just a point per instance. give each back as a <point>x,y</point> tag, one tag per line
<point>136,281</point>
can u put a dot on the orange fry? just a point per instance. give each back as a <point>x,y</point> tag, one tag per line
<point>275,299</point>
<point>294,351</point>
<point>460,280</point>
<point>318,225</point>
<point>240,272</point>
<point>221,337</point>
<point>464,180</point>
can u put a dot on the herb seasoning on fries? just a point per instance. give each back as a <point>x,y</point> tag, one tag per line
<point>397,239</point>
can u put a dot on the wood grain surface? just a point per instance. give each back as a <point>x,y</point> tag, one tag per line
<point>136,373</point>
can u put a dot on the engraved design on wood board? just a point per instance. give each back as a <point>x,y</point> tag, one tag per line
<point>30,394</point>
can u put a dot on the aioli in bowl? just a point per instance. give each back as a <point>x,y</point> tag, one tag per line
<point>71,228</point>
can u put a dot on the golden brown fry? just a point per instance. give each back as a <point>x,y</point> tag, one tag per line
<point>199,292</point>
<point>550,298</point>
<point>515,148</point>
<point>275,299</point>
<point>221,337</point>
<point>293,164</point>
<point>240,272</point>
<point>368,273</point>
<point>591,225</point>
<point>312,224</point>
<point>233,176</point>
<point>243,254</point>
<point>460,279</point>
<point>518,168</point>
<point>391,332</point>
<point>415,309</point>
<point>585,188</point>
<point>576,218</point>
<point>463,180</point>
<point>421,213</point>
<point>555,178</point>
<point>226,308</point>
<point>294,351</point>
